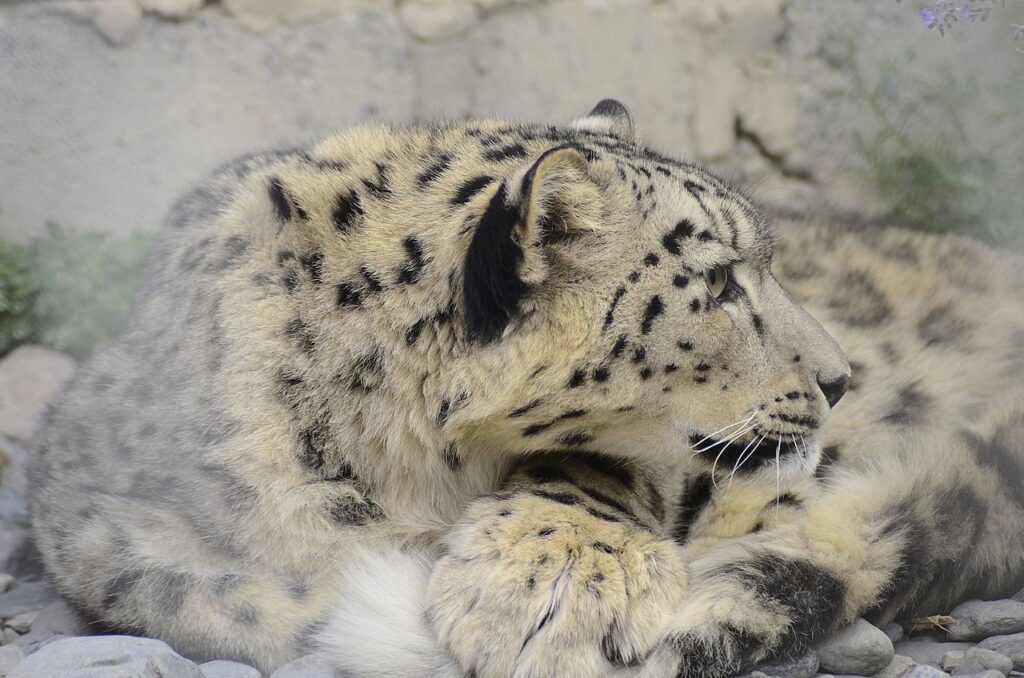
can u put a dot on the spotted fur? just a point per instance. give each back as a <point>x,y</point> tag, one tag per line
<point>458,398</point>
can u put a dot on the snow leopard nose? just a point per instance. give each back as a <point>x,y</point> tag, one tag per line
<point>834,390</point>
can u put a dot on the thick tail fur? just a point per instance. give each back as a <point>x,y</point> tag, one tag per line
<point>379,628</point>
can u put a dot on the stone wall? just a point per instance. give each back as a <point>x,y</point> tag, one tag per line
<point>109,108</point>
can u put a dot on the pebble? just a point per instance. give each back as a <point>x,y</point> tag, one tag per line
<point>6,581</point>
<point>171,9</point>
<point>10,655</point>
<point>894,631</point>
<point>859,649</point>
<point>226,669</point>
<point>899,665</point>
<point>805,666</point>
<point>31,642</point>
<point>977,619</point>
<point>118,21</point>
<point>1012,646</point>
<point>437,19</point>
<point>310,666</point>
<point>928,651</point>
<point>925,671</point>
<point>55,621</point>
<point>26,597</point>
<point>976,660</point>
<point>22,622</point>
<point>106,656</point>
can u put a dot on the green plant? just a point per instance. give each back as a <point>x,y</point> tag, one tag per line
<point>68,290</point>
<point>17,293</point>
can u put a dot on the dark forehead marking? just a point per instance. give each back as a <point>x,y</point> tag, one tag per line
<point>730,221</point>
<point>696,190</point>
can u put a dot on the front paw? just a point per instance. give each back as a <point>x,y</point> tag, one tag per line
<point>711,652</point>
<point>539,585</point>
<point>747,609</point>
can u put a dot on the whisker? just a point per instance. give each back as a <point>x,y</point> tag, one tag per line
<point>740,459</point>
<point>727,440</point>
<point>724,428</point>
<point>714,481</point>
<point>778,473</point>
<point>753,449</point>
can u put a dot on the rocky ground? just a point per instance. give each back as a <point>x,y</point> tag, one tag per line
<point>41,636</point>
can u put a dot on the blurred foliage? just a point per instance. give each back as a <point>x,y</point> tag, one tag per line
<point>923,164</point>
<point>68,290</point>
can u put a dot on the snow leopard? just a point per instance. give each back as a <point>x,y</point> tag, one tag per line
<point>487,398</point>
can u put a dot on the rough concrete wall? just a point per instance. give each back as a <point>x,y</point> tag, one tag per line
<point>109,108</point>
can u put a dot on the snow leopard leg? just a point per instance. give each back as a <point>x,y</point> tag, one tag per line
<point>939,519</point>
<point>205,607</point>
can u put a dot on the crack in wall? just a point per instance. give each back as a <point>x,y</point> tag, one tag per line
<point>776,160</point>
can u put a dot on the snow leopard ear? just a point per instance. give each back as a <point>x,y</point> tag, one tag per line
<point>608,117</point>
<point>546,204</point>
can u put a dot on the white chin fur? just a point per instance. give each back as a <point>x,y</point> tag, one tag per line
<point>378,628</point>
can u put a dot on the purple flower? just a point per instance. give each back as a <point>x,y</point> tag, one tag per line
<point>928,17</point>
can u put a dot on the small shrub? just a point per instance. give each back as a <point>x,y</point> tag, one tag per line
<point>68,290</point>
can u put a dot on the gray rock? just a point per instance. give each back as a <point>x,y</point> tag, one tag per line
<point>310,666</point>
<point>925,671</point>
<point>928,651</point>
<point>106,657</point>
<point>984,674</point>
<point>859,649</point>
<point>6,582</point>
<point>976,660</point>
<point>54,622</point>
<point>896,668</point>
<point>226,669</point>
<point>805,666</point>
<point>26,597</point>
<point>977,619</point>
<point>10,655</point>
<point>32,641</point>
<point>22,622</point>
<point>1012,646</point>
<point>430,20</point>
<point>894,631</point>
<point>1019,596</point>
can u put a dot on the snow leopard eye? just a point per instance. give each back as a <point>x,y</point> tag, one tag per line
<point>717,280</point>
